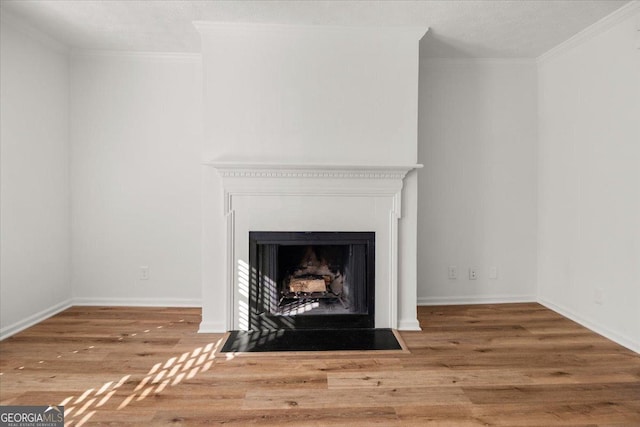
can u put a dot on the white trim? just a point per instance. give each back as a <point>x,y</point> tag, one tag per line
<point>26,28</point>
<point>440,61</point>
<point>638,31</point>
<point>34,319</point>
<point>212,328</point>
<point>409,325</point>
<point>592,31</point>
<point>394,216</point>
<point>278,170</point>
<point>372,182</point>
<point>404,325</point>
<point>623,340</point>
<point>138,302</point>
<point>186,56</point>
<point>416,32</point>
<point>230,216</point>
<point>485,299</point>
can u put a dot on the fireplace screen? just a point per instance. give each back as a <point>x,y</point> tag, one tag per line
<point>312,280</point>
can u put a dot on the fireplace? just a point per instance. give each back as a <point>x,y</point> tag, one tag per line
<point>327,199</point>
<point>287,149</point>
<point>313,280</point>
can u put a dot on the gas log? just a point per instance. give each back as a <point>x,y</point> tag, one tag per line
<point>307,285</point>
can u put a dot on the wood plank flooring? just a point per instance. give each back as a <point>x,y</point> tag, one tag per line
<point>505,365</point>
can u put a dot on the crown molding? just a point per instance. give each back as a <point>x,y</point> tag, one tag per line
<point>592,31</point>
<point>439,61</point>
<point>26,28</point>
<point>416,32</point>
<point>186,56</point>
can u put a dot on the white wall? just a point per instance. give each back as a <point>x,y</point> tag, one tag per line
<point>285,93</point>
<point>477,202</point>
<point>589,181</point>
<point>34,185</point>
<point>135,156</point>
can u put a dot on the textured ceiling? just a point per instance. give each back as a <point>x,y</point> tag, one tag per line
<point>485,29</point>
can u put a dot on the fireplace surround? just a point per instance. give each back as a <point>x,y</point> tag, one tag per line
<point>295,197</point>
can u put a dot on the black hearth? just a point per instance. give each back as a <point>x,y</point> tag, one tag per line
<point>313,280</point>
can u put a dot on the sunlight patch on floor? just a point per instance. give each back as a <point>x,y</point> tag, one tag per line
<point>160,376</point>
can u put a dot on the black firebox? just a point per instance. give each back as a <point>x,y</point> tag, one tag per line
<point>311,280</point>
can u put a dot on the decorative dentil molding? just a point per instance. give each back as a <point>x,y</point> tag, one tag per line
<point>266,170</point>
<point>260,179</point>
<point>312,174</point>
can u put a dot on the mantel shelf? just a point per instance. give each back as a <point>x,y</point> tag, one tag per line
<point>309,170</point>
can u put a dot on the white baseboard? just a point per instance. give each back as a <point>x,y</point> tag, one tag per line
<point>7,331</point>
<point>464,300</point>
<point>624,341</point>
<point>212,328</point>
<point>138,302</point>
<point>409,325</point>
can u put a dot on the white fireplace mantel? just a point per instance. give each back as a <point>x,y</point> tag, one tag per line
<point>311,197</point>
<point>308,170</point>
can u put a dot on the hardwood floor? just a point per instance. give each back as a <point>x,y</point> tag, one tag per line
<point>511,365</point>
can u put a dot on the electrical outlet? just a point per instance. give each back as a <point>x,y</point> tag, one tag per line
<point>453,272</point>
<point>493,273</point>
<point>473,273</point>
<point>597,296</point>
<point>144,272</point>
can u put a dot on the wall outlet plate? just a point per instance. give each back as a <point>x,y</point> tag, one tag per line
<point>597,296</point>
<point>473,273</point>
<point>453,272</point>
